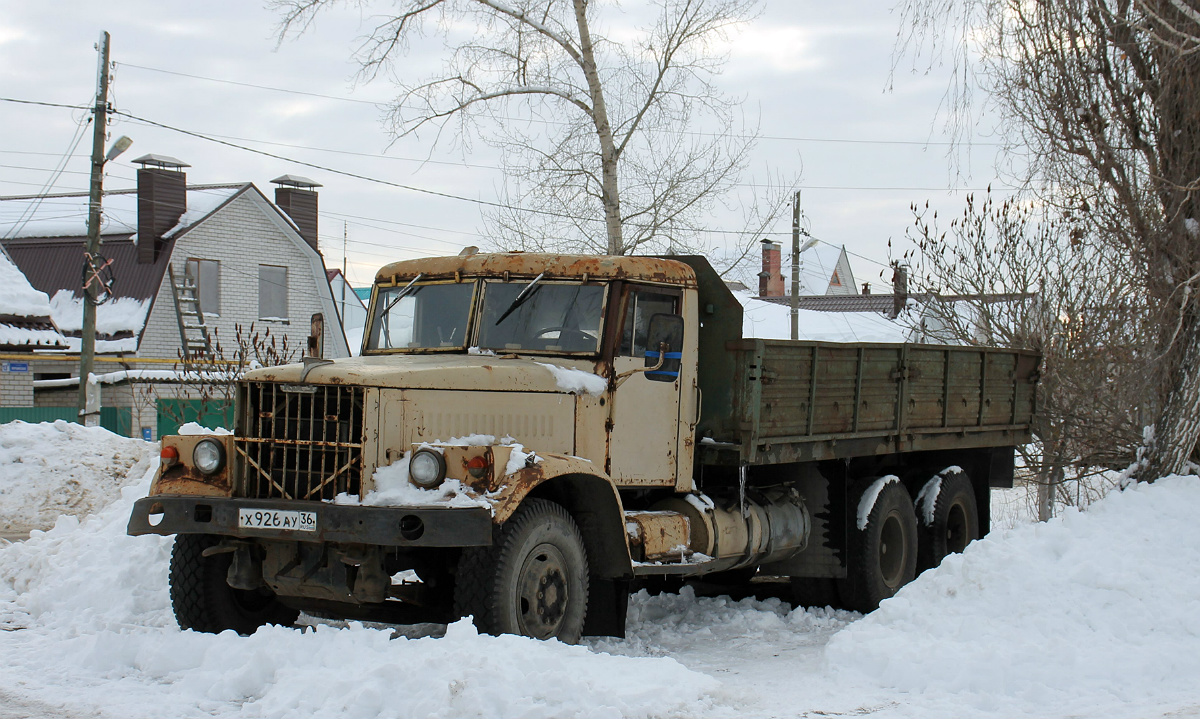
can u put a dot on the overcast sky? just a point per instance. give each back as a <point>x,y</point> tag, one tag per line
<point>814,75</point>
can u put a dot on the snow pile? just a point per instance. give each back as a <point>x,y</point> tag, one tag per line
<point>93,632</point>
<point>1085,611</point>
<point>576,381</point>
<point>58,468</point>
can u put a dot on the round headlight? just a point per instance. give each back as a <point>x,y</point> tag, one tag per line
<point>427,468</point>
<point>208,456</point>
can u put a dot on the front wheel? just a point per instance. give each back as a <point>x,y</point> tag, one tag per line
<point>883,554</point>
<point>533,581</point>
<point>204,601</point>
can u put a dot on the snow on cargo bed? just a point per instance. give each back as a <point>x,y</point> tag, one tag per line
<point>60,467</point>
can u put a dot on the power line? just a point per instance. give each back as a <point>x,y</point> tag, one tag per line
<point>247,84</point>
<point>355,175</point>
<point>44,104</point>
<point>785,138</point>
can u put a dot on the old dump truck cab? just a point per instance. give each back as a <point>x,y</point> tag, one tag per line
<point>526,434</point>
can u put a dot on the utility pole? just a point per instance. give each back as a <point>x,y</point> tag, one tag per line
<point>796,267</point>
<point>345,277</point>
<point>89,413</point>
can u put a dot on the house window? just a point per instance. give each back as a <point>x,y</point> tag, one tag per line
<point>207,276</point>
<point>272,292</point>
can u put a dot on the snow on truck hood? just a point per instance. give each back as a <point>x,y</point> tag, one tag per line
<point>447,371</point>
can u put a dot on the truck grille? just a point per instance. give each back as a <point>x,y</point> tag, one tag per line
<point>298,441</point>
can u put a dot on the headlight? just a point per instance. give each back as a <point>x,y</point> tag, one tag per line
<point>427,468</point>
<point>208,456</point>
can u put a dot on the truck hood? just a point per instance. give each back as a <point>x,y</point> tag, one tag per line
<point>445,371</point>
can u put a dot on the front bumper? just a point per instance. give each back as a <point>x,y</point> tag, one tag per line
<point>386,526</point>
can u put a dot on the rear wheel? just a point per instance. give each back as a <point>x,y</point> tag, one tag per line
<point>533,581</point>
<point>883,554</point>
<point>949,518</point>
<point>204,601</point>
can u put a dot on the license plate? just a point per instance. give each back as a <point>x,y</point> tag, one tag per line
<point>250,518</point>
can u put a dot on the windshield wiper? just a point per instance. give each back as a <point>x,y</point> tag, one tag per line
<point>522,296</point>
<point>402,294</point>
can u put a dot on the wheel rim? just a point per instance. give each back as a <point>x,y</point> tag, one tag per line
<point>956,529</point>
<point>542,594</point>
<point>893,550</point>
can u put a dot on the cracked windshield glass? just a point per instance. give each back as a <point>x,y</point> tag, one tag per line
<point>431,316</point>
<point>549,317</point>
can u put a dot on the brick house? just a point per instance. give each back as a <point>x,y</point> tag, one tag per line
<point>24,327</point>
<point>187,265</point>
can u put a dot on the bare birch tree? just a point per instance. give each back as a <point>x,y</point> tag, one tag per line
<point>1104,98</point>
<point>614,135</point>
<point>1020,275</point>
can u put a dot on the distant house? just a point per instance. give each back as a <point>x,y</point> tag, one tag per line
<point>351,309</point>
<point>831,310</point>
<point>187,266</point>
<point>824,270</point>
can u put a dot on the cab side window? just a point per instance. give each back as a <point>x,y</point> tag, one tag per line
<point>640,306</point>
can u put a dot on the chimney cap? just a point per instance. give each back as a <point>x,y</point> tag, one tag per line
<point>163,161</point>
<point>296,181</point>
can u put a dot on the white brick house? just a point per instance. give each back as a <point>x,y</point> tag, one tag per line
<point>252,261</point>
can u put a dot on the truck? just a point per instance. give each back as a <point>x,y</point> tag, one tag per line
<point>527,437</point>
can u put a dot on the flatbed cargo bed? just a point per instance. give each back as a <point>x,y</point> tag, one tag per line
<point>794,401</point>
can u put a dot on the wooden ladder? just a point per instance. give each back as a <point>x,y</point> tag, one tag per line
<point>192,330</point>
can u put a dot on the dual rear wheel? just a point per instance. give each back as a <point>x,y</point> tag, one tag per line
<point>898,539</point>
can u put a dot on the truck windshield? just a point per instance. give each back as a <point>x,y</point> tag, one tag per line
<point>428,316</point>
<point>553,317</point>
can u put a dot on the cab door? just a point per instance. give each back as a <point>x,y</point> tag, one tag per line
<point>644,418</point>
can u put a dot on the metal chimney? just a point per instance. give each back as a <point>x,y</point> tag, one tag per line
<point>297,197</point>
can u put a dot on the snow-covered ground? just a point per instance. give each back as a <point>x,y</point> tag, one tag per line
<point>1092,614</point>
<point>58,468</point>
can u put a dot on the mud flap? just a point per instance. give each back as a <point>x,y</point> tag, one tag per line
<point>608,604</point>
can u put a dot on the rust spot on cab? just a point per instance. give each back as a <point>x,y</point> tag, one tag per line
<point>531,264</point>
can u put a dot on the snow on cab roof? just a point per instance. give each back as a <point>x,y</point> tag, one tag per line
<point>532,264</point>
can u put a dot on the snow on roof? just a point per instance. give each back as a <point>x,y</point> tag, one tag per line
<point>767,320</point>
<point>29,309</point>
<point>122,314</point>
<point>66,215</point>
<point>17,296</point>
<point>817,265</point>
<point>125,375</point>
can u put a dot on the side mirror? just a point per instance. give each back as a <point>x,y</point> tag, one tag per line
<point>664,347</point>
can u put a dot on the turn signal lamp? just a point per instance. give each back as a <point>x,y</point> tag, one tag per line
<point>169,456</point>
<point>477,466</point>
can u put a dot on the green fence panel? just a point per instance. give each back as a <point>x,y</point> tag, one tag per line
<point>38,414</point>
<point>118,420</point>
<point>175,412</point>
